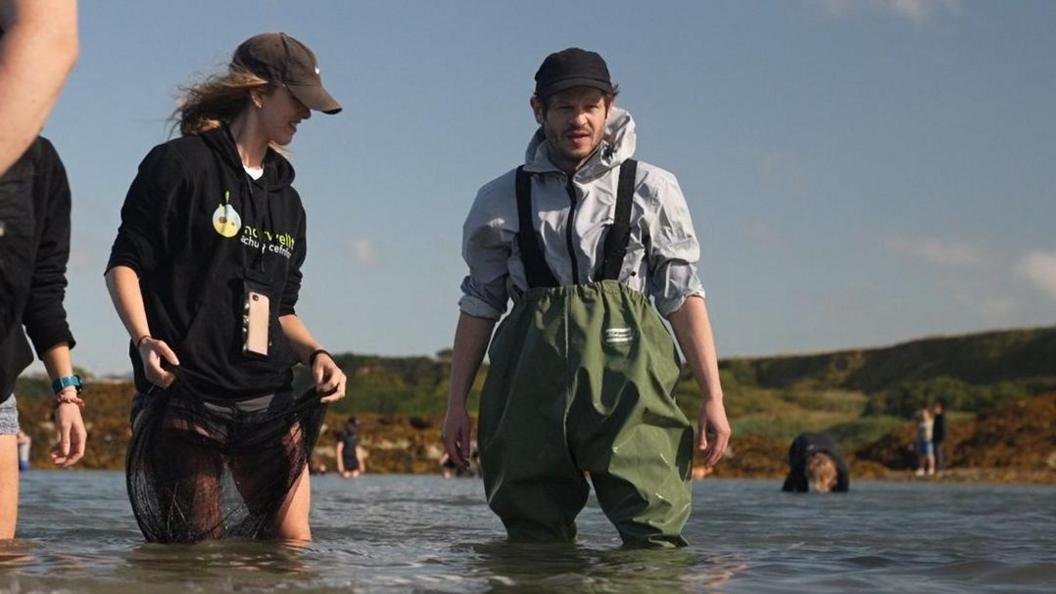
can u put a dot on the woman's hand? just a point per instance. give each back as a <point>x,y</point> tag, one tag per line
<point>72,435</point>
<point>153,352</point>
<point>329,379</point>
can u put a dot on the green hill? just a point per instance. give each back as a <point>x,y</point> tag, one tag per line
<point>858,395</point>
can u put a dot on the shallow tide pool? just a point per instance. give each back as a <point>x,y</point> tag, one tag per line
<point>425,534</point>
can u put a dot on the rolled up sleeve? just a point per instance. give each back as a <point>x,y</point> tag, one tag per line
<point>486,249</point>
<point>674,251</point>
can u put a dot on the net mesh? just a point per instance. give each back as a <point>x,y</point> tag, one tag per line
<point>199,469</point>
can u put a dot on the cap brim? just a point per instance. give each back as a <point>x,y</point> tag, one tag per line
<point>568,83</point>
<point>315,97</point>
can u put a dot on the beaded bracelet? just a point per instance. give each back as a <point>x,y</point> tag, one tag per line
<point>67,398</point>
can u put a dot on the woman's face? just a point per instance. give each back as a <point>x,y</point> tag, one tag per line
<point>279,114</point>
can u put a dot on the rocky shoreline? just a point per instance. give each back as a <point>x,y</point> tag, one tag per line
<point>1016,444</point>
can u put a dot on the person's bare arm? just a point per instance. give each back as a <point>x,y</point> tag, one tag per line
<point>471,342</point>
<point>123,284</point>
<point>329,379</point>
<point>693,331</point>
<point>68,421</point>
<point>38,49</point>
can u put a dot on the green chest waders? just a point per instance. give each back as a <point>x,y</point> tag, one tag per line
<point>581,383</point>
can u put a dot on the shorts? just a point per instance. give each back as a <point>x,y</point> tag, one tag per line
<point>9,416</point>
<point>226,410</point>
<point>925,448</point>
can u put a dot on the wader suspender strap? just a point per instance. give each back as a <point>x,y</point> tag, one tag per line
<point>620,232</point>
<point>535,268</point>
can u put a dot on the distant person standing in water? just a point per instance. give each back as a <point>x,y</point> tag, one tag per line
<point>815,465</point>
<point>25,443</point>
<point>350,456</point>
<point>938,435</point>
<point>925,448</point>
<point>595,249</point>
<point>205,274</point>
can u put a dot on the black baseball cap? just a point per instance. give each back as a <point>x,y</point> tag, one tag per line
<point>569,68</point>
<point>279,58</point>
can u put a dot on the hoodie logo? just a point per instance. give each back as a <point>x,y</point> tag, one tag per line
<point>226,220</point>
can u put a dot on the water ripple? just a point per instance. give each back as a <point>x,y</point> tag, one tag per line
<point>396,534</point>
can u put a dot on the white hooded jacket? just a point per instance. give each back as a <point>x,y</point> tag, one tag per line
<point>661,255</point>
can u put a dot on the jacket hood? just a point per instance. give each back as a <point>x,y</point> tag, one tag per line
<point>278,172</point>
<point>617,145</point>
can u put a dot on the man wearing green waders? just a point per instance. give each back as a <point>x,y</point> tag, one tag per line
<point>582,369</point>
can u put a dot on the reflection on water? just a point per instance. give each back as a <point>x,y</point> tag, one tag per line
<point>395,534</point>
<point>218,559</point>
<point>509,567</point>
<point>15,553</point>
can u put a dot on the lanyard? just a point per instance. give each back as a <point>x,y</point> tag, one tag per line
<point>260,222</point>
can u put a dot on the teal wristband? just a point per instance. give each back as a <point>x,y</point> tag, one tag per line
<point>65,382</point>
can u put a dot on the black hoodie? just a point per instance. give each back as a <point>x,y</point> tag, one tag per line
<point>34,247</point>
<point>194,225</point>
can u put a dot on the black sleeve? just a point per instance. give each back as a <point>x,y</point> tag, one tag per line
<point>143,237</point>
<point>797,479</point>
<point>292,290</point>
<point>796,451</point>
<point>44,316</point>
<point>843,479</point>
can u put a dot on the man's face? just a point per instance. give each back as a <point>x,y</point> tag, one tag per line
<point>574,123</point>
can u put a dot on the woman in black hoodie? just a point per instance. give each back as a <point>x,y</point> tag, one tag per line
<point>205,274</point>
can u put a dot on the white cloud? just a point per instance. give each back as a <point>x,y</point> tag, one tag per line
<point>1040,269</point>
<point>916,11</point>
<point>947,254</point>
<point>363,251</point>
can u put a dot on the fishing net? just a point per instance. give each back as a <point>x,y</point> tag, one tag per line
<point>200,469</point>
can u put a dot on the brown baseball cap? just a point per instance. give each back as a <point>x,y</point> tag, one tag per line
<point>277,57</point>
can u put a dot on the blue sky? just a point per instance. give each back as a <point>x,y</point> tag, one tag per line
<point>860,172</point>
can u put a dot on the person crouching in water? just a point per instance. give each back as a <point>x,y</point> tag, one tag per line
<point>584,239</point>
<point>205,274</point>
<point>816,466</point>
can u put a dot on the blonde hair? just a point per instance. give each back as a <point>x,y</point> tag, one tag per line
<point>216,100</point>
<point>821,472</point>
